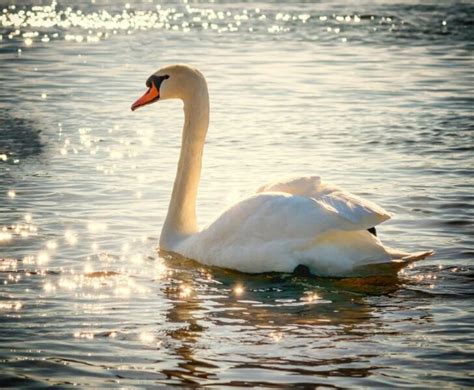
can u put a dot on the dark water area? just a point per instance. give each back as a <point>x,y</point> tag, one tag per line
<point>376,97</point>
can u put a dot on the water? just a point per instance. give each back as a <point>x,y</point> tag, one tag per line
<point>373,96</point>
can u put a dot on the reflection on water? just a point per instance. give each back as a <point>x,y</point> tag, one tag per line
<point>376,98</point>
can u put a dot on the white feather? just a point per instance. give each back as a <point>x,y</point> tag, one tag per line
<point>361,212</point>
<point>277,231</point>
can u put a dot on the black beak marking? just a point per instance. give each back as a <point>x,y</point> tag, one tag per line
<point>156,81</point>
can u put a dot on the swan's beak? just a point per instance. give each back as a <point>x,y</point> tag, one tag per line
<point>152,95</point>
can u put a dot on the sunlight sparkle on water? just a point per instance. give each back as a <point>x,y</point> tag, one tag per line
<point>311,297</point>
<point>137,258</point>
<point>185,291</point>
<point>96,26</point>
<point>276,336</point>
<point>42,258</point>
<point>238,290</point>
<point>122,291</point>
<point>84,335</point>
<point>52,245</point>
<point>84,279</point>
<point>49,287</point>
<point>161,270</point>
<point>14,306</point>
<point>146,337</point>
<point>96,227</point>
<point>5,236</point>
<point>71,237</point>
<point>67,284</point>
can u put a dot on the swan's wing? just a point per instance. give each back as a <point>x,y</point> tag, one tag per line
<point>273,216</point>
<point>354,209</point>
<point>302,185</point>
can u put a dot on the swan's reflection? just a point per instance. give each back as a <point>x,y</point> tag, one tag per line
<point>268,322</point>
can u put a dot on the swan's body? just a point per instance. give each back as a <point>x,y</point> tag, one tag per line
<point>287,223</point>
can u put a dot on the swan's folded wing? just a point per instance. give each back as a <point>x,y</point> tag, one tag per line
<point>361,213</point>
<point>353,208</point>
<point>301,185</point>
<point>274,216</point>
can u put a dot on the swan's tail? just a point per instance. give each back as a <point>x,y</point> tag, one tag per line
<point>417,256</point>
<point>399,260</point>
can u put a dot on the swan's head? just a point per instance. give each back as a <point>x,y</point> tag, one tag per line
<point>172,82</point>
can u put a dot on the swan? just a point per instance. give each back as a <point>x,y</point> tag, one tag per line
<point>287,224</point>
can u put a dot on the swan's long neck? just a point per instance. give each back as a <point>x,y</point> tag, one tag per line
<point>181,219</point>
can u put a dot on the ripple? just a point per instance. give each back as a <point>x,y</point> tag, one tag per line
<point>374,97</point>
<point>55,21</point>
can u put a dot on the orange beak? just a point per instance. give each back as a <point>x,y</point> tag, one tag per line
<point>150,96</point>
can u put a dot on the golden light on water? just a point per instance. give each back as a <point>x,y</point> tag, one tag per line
<point>238,290</point>
<point>7,264</point>
<point>276,336</point>
<point>96,284</point>
<point>161,270</point>
<point>311,297</point>
<point>185,291</point>
<point>10,306</point>
<point>91,282</point>
<point>5,236</point>
<point>101,25</point>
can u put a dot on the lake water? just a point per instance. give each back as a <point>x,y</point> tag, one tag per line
<point>374,96</point>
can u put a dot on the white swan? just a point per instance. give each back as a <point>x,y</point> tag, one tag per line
<point>300,221</point>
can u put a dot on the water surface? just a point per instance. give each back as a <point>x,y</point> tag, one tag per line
<point>373,96</point>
